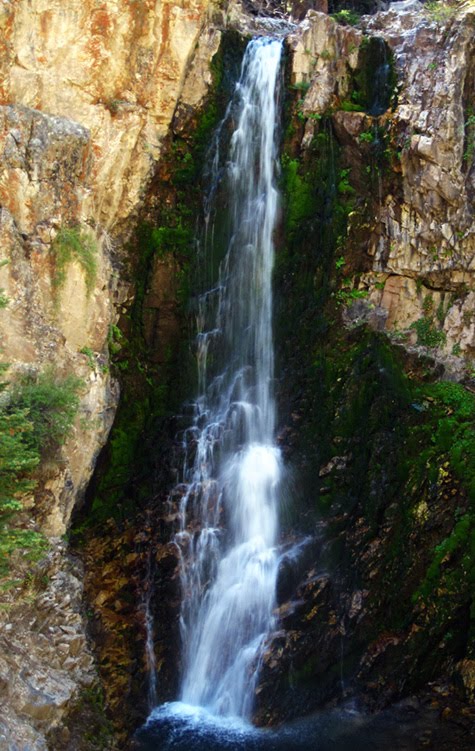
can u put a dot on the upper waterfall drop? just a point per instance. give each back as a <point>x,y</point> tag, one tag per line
<point>229,510</point>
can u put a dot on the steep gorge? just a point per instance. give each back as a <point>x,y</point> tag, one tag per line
<point>377,232</point>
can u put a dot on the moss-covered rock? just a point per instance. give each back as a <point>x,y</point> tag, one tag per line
<point>380,456</point>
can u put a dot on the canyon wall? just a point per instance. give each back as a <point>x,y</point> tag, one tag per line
<point>416,263</point>
<point>375,337</point>
<point>88,91</point>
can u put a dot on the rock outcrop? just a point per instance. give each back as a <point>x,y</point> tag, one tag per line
<point>419,248</point>
<point>375,304</point>
<point>88,91</point>
<point>44,657</point>
<point>89,94</point>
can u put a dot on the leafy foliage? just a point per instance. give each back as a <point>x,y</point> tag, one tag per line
<point>427,334</point>
<point>51,403</point>
<point>36,415</point>
<point>347,17</point>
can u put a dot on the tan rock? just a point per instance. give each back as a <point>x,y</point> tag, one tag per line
<point>322,51</point>
<point>117,68</point>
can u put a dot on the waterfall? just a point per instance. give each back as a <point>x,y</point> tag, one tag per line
<point>228,510</point>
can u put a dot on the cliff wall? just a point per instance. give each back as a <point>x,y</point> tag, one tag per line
<point>88,91</point>
<point>379,181</point>
<point>411,163</point>
<point>375,316</point>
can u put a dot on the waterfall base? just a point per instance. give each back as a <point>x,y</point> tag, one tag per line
<point>181,727</point>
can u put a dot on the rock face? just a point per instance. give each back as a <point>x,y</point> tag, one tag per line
<point>88,91</point>
<point>115,67</point>
<point>378,240</point>
<point>419,260</point>
<point>94,91</point>
<point>45,171</point>
<point>44,656</point>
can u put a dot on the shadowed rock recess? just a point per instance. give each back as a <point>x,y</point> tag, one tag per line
<point>108,112</point>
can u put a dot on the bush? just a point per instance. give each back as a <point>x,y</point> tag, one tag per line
<point>73,244</point>
<point>347,17</point>
<point>51,404</point>
<point>441,10</point>
<point>18,458</point>
<point>36,415</point>
<point>427,334</point>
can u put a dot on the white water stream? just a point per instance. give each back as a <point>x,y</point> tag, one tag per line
<point>228,513</point>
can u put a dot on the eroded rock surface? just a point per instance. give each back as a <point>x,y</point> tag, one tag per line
<point>87,95</point>
<point>420,237</point>
<point>45,662</point>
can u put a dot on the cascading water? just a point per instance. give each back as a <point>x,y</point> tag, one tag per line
<point>228,513</point>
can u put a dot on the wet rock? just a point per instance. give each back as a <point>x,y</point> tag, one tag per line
<point>336,463</point>
<point>466,671</point>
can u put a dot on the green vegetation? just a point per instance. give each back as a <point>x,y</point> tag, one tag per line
<point>412,472</point>
<point>115,339</point>
<point>347,17</point>
<point>348,105</point>
<point>74,244</point>
<point>91,360</point>
<point>449,455</point>
<point>348,293</point>
<point>36,415</point>
<point>367,137</point>
<point>51,403</point>
<point>428,335</point>
<point>469,152</point>
<point>441,11</point>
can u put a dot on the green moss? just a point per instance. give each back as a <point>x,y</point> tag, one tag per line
<point>74,244</point>
<point>300,197</point>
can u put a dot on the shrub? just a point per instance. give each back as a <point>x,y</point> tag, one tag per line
<point>18,458</point>
<point>73,244</point>
<point>36,415</point>
<point>115,339</point>
<point>366,137</point>
<point>50,403</point>
<point>346,17</point>
<point>440,10</point>
<point>427,334</point>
